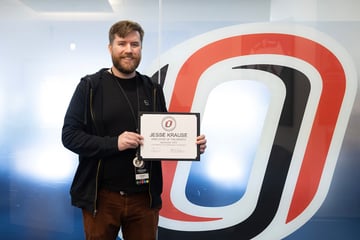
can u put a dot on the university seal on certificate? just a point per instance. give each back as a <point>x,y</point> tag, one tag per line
<point>169,136</point>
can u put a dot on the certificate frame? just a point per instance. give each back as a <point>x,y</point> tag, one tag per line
<point>169,136</point>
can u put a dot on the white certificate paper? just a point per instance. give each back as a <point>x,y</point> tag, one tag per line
<point>169,136</point>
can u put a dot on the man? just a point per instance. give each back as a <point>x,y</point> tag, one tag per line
<point>101,125</point>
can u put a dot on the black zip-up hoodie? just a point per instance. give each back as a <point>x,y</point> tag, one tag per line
<point>82,134</point>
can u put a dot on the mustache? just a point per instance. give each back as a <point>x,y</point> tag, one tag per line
<point>127,55</point>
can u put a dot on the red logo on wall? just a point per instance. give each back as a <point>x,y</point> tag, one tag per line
<point>320,85</point>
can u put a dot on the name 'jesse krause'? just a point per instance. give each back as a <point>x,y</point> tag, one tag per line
<point>167,134</point>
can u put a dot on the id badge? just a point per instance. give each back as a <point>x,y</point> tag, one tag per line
<point>141,176</point>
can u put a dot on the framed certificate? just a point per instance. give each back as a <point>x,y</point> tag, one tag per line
<point>169,136</point>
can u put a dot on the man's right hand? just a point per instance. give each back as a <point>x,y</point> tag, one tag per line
<point>128,140</point>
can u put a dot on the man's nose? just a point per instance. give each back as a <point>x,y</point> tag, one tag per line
<point>128,47</point>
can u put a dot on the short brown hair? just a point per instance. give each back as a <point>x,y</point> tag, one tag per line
<point>123,28</point>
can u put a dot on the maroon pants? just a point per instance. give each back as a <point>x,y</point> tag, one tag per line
<point>130,212</point>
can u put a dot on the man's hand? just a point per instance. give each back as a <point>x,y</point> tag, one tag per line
<point>128,140</point>
<point>201,140</point>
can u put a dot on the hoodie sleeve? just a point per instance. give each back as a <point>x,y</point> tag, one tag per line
<point>77,135</point>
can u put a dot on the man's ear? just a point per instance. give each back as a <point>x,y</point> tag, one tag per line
<point>110,48</point>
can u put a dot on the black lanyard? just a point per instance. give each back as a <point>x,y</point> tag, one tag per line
<point>138,164</point>
<point>128,100</point>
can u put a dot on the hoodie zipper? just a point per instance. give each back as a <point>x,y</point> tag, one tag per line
<point>150,171</point>
<point>99,163</point>
<point>96,187</point>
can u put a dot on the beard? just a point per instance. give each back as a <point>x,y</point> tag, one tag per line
<point>124,65</point>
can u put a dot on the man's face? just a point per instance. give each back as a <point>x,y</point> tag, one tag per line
<point>126,53</point>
